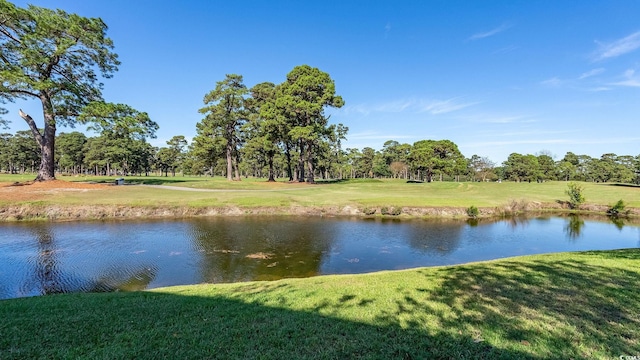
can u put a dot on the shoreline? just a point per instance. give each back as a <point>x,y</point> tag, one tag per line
<point>34,212</point>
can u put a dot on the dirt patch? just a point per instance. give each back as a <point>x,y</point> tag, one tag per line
<point>33,190</point>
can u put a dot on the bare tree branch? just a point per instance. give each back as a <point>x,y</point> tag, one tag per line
<point>32,125</point>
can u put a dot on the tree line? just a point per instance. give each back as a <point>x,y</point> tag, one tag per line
<point>426,160</point>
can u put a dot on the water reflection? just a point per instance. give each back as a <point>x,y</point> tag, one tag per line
<point>617,221</point>
<point>517,221</point>
<point>435,238</point>
<point>46,275</point>
<point>574,226</point>
<point>266,249</point>
<point>49,272</point>
<point>49,258</point>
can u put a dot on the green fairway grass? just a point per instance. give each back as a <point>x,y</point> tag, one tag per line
<point>557,306</point>
<point>356,193</point>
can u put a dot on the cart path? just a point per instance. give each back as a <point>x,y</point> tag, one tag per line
<point>219,190</point>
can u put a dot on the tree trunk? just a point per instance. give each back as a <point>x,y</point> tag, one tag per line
<point>236,171</point>
<point>310,178</point>
<point>229,162</point>
<point>46,141</point>
<point>301,161</point>
<point>270,155</point>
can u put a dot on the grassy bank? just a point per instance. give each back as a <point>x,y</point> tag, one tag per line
<point>355,195</point>
<point>571,305</point>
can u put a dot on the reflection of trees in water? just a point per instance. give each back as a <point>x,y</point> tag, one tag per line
<point>265,248</point>
<point>50,277</point>
<point>618,221</point>
<point>574,226</point>
<point>517,221</point>
<point>436,237</point>
<point>46,268</point>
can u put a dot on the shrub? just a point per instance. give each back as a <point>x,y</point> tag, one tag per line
<point>369,211</point>
<point>395,211</point>
<point>618,209</point>
<point>576,198</point>
<point>473,212</point>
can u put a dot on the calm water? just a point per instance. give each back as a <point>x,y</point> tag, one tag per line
<point>44,258</point>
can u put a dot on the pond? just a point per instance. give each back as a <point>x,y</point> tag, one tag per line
<point>47,258</point>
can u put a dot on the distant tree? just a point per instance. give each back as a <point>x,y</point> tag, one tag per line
<point>547,167</point>
<point>4,123</point>
<point>5,159</point>
<point>636,169</point>
<point>206,148</point>
<point>265,129</point>
<point>118,120</point>
<point>431,156</point>
<point>520,167</point>
<point>571,158</point>
<point>225,114</point>
<point>164,160</point>
<point>170,158</point>
<point>337,133</point>
<point>353,156</point>
<point>302,99</point>
<point>395,156</point>
<point>583,168</point>
<point>365,165</point>
<point>23,152</point>
<point>70,151</point>
<point>566,171</point>
<point>380,166</point>
<point>481,167</point>
<point>94,154</point>
<point>123,132</point>
<point>141,157</point>
<point>177,147</point>
<point>399,169</point>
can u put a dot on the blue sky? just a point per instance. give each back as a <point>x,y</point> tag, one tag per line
<point>495,77</point>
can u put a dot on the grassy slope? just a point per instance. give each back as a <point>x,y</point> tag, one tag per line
<point>578,305</point>
<point>374,193</point>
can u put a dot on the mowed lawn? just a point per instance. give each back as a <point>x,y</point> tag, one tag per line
<point>358,193</point>
<point>557,306</point>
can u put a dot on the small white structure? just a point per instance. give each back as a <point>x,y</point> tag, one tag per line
<point>120,181</point>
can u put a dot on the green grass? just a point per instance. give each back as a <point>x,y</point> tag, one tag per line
<point>356,193</point>
<point>557,306</point>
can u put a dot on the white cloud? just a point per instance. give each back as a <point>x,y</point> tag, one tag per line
<point>498,119</point>
<point>591,73</point>
<point>489,33</point>
<point>395,106</point>
<point>557,141</point>
<point>412,105</point>
<point>444,106</point>
<point>553,82</point>
<point>617,48</point>
<point>599,88</point>
<point>519,142</point>
<point>630,79</point>
<point>387,30</point>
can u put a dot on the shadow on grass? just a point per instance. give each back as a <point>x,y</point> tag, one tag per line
<point>156,325</point>
<point>347,181</point>
<point>157,181</point>
<point>621,184</point>
<point>566,309</point>
<point>499,310</point>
